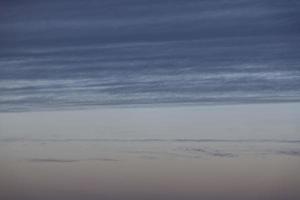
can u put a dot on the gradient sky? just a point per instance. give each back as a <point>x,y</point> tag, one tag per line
<point>61,54</point>
<point>74,54</point>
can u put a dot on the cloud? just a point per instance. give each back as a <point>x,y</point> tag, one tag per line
<point>215,153</point>
<point>103,159</point>
<point>145,140</point>
<point>75,54</point>
<point>51,160</point>
<point>289,152</point>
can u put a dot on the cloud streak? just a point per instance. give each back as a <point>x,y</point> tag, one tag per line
<point>51,160</point>
<point>289,152</point>
<point>214,153</point>
<point>147,140</point>
<point>41,160</point>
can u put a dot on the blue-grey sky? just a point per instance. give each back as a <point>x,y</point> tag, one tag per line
<point>61,54</point>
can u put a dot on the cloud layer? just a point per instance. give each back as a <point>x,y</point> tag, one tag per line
<point>59,54</point>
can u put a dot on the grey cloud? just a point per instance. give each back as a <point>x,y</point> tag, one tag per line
<point>145,140</point>
<point>289,152</point>
<point>41,160</point>
<point>103,159</point>
<point>51,160</point>
<point>216,153</point>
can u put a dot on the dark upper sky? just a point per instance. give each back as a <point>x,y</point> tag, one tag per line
<point>63,53</point>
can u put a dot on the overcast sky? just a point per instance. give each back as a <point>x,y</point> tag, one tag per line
<point>59,53</point>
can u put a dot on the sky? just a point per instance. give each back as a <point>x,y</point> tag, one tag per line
<point>70,56</point>
<point>63,54</point>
